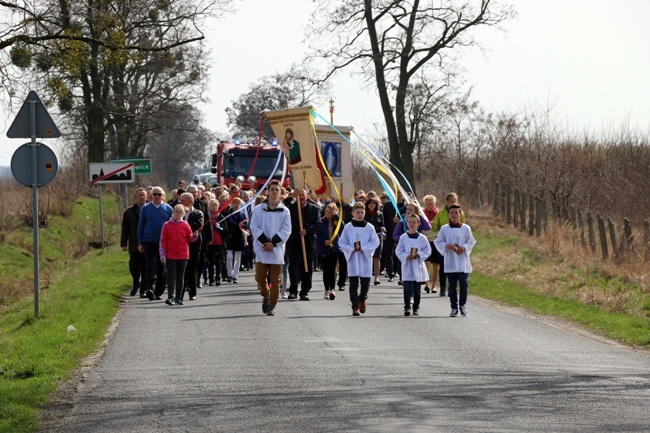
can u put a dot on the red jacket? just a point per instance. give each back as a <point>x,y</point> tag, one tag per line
<point>175,240</point>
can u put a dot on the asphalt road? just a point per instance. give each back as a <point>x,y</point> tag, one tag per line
<point>218,364</point>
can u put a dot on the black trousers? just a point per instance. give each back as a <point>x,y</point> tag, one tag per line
<point>191,272</point>
<point>297,272</point>
<point>216,255</point>
<point>328,264</point>
<point>137,270</point>
<point>154,269</point>
<point>387,256</point>
<point>343,270</point>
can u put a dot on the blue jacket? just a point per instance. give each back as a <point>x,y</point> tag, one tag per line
<point>151,221</point>
<point>323,234</point>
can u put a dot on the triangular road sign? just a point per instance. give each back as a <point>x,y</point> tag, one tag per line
<point>21,127</point>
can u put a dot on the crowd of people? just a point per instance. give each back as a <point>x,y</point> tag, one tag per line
<point>207,235</point>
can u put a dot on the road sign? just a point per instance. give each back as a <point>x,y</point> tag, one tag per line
<point>46,165</point>
<point>142,165</point>
<point>22,127</point>
<point>111,172</point>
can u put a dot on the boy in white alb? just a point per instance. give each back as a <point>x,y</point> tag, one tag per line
<point>358,242</point>
<point>412,250</point>
<point>270,225</point>
<point>455,242</point>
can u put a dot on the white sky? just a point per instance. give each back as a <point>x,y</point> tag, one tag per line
<point>589,59</point>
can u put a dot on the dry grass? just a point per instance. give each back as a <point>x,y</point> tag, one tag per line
<point>557,264</point>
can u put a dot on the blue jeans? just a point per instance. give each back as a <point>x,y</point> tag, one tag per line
<point>175,277</point>
<point>455,278</point>
<point>411,290</point>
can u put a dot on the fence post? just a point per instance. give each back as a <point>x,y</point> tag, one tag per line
<point>603,236</point>
<point>592,233</point>
<point>544,214</point>
<point>508,205</point>
<point>522,210</point>
<point>538,216</point>
<point>572,218</point>
<point>495,204</point>
<point>515,211</point>
<point>612,238</point>
<point>581,228</point>
<point>646,239</point>
<point>531,214</point>
<point>629,239</point>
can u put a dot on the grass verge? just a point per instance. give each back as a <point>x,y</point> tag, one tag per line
<point>516,272</point>
<point>39,354</point>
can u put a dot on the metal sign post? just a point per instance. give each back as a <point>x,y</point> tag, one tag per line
<point>33,121</point>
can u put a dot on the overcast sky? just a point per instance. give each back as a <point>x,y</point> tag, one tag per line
<point>589,59</point>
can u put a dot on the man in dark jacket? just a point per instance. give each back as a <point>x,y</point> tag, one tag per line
<point>195,219</point>
<point>206,232</point>
<point>310,224</point>
<point>129,241</point>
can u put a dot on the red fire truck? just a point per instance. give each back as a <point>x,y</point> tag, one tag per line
<point>233,161</point>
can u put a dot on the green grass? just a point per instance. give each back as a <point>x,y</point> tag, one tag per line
<point>626,316</point>
<point>38,354</point>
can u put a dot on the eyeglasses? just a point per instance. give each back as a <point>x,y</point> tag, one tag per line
<point>156,193</point>
<point>384,198</point>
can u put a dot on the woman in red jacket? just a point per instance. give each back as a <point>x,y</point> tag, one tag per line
<point>175,252</point>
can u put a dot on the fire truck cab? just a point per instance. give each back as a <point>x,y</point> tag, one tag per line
<point>233,161</point>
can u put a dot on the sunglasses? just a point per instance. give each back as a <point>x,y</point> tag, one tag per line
<point>157,193</point>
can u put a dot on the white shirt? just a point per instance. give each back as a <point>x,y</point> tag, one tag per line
<point>414,269</point>
<point>359,262</point>
<point>267,224</point>
<point>461,236</point>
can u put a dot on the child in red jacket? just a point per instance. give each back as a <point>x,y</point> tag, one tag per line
<point>175,252</point>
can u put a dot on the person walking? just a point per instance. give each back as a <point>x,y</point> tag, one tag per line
<point>129,242</point>
<point>413,248</point>
<point>455,242</point>
<point>175,239</point>
<point>328,248</point>
<point>153,216</point>
<point>195,219</point>
<point>442,218</point>
<point>298,274</point>
<point>270,226</point>
<point>358,242</point>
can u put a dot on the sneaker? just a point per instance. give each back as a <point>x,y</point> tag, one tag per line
<point>390,279</point>
<point>142,295</point>
<point>454,312</point>
<point>199,286</point>
<point>265,305</point>
<point>443,292</point>
<point>179,302</point>
<point>407,311</point>
<point>170,301</point>
<point>270,311</point>
<point>416,312</point>
<point>283,295</point>
<point>192,298</point>
<point>292,296</point>
<point>234,281</point>
<point>217,283</point>
<point>332,295</point>
<point>326,295</point>
<point>149,295</point>
<point>362,306</point>
<point>463,311</point>
<point>342,288</point>
<point>355,311</point>
<point>304,298</point>
<point>157,298</point>
<point>134,291</point>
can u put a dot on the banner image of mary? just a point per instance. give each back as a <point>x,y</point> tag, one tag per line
<point>291,147</point>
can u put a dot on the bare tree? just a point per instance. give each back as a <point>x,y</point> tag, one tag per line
<point>392,41</point>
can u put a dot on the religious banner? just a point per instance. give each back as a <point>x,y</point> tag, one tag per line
<point>337,158</point>
<point>295,133</point>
